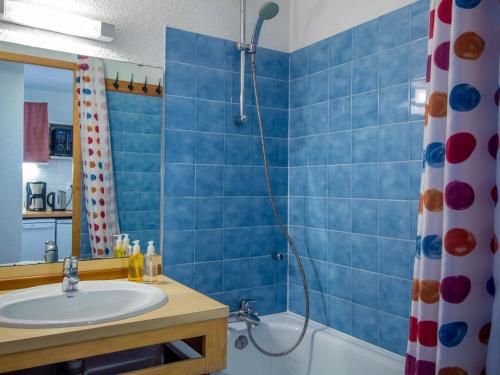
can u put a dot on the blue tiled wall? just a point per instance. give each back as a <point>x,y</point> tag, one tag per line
<point>356,111</point>
<point>136,131</point>
<point>219,230</point>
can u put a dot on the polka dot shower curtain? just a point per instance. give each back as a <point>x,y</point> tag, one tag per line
<point>97,165</point>
<point>455,319</point>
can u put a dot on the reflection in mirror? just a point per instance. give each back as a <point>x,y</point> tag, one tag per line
<point>82,168</point>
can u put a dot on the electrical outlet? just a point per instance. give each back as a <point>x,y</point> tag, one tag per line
<point>69,185</point>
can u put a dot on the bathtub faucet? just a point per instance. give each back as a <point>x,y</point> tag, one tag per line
<point>246,314</point>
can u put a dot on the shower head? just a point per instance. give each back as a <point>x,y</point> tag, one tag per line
<point>267,11</point>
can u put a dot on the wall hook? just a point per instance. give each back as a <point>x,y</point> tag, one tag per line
<point>131,84</point>
<point>145,87</point>
<point>158,89</point>
<point>116,85</point>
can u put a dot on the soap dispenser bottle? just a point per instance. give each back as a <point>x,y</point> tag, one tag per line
<point>135,263</point>
<point>151,262</point>
<point>118,249</point>
<point>126,245</point>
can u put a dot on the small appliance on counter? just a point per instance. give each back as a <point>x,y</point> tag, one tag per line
<point>61,140</point>
<point>57,200</point>
<point>36,196</point>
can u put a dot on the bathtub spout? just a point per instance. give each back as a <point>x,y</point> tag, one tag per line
<point>245,314</point>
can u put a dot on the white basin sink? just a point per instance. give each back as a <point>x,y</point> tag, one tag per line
<point>93,302</point>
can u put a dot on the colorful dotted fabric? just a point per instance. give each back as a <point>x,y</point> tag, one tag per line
<point>97,166</point>
<point>453,312</point>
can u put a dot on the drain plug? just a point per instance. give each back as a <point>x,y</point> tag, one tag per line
<point>241,342</point>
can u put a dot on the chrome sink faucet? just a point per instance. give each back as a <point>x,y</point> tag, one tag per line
<point>71,275</point>
<point>245,314</point>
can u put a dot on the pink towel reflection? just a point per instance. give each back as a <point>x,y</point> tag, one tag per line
<point>36,132</point>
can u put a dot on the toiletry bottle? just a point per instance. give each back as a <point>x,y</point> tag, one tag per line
<point>151,262</point>
<point>118,248</point>
<point>135,263</point>
<point>126,246</point>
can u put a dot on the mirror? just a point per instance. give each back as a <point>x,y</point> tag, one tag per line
<point>82,155</point>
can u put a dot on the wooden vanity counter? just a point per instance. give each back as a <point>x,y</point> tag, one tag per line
<point>47,214</point>
<point>187,315</point>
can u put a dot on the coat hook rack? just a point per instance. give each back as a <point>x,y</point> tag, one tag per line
<point>145,87</point>
<point>116,85</point>
<point>131,84</point>
<point>158,89</point>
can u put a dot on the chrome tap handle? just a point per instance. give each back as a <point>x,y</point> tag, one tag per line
<point>245,304</point>
<point>70,272</point>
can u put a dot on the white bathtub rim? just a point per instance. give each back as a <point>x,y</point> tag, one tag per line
<point>298,320</point>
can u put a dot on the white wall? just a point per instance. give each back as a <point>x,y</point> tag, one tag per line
<point>140,26</point>
<point>60,104</point>
<point>11,133</point>
<point>314,20</point>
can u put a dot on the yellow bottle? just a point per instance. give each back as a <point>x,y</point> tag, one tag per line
<point>135,263</point>
<point>118,249</point>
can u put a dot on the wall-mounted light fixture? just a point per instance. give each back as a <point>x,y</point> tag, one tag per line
<point>47,18</point>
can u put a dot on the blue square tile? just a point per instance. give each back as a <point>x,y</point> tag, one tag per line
<point>394,104</point>
<point>115,101</point>
<point>365,216</point>
<point>339,281</point>
<point>317,275</point>
<point>258,184</point>
<point>180,79</point>
<point>261,241</point>
<point>319,307</point>
<point>317,244</point>
<point>116,121</point>
<point>180,113</point>
<point>236,243</point>
<point>339,181</point>
<point>394,142</point>
<point>209,181</point>
<point>416,140</point>
<point>394,219</point>
<point>267,92</point>
<point>394,180</point>
<point>365,74</point>
<point>232,56</point>
<point>151,143</point>
<point>117,161</point>
<point>208,213</point>
<point>151,182</point>
<point>365,145</point>
<point>298,63</point>
<point>316,212</point>
<point>132,123</point>
<point>394,66</point>
<point>365,252</point>
<point>282,65</point>
<point>178,247</point>
<point>317,150</point>
<point>298,181</point>
<point>152,124</point>
<point>280,298</point>
<point>415,176</point>
<point>339,214</point>
<point>365,324</point>
<point>298,122</point>
<point>418,98</point>
<point>317,118</point>
<point>395,28</point>
<point>210,84</point>
<point>238,150</point>
<point>133,200</point>
<point>340,114</point>
<point>183,273</point>
<point>179,180</point>
<point>366,38</point>
<point>340,315</point>
<point>298,93</point>
<point>262,271</point>
<point>236,212</point>
<point>365,180</point>
<point>132,162</point>
<point>418,60</point>
<point>297,211</point>
<point>419,19</point>
<point>116,141</point>
<point>340,81</point>
<point>317,89</point>
<point>393,332</point>
<point>261,211</point>
<point>341,48</point>
<point>209,148</point>
<point>132,103</point>
<point>150,220</point>
<point>151,105</point>
<point>339,248</point>
<point>236,181</point>
<point>317,56</point>
<point>210,52</point>
<point>282,94</point>
<point>180,45</point>
<point>282,124</point>
<point>365,110</point>
<point>208,245</point>
<point>365,288</point>
<point>179,213</point>
<point>132,142</point>
<point>268,122</point>
<point>208,277</point>
<point>150,201</point>
<point>339,148</point>
<point>179,146</point>
<point>394,257</point>
<point>236,274</point>
<point>210,116</point>
<point>233,298</point>
<point>264,297</point>
<point>394,296</point>
<point>298,151</point>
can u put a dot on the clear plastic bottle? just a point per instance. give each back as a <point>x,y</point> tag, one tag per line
<point>151,263</point>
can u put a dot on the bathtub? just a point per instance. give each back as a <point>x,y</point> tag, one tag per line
<point>323,351</point>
